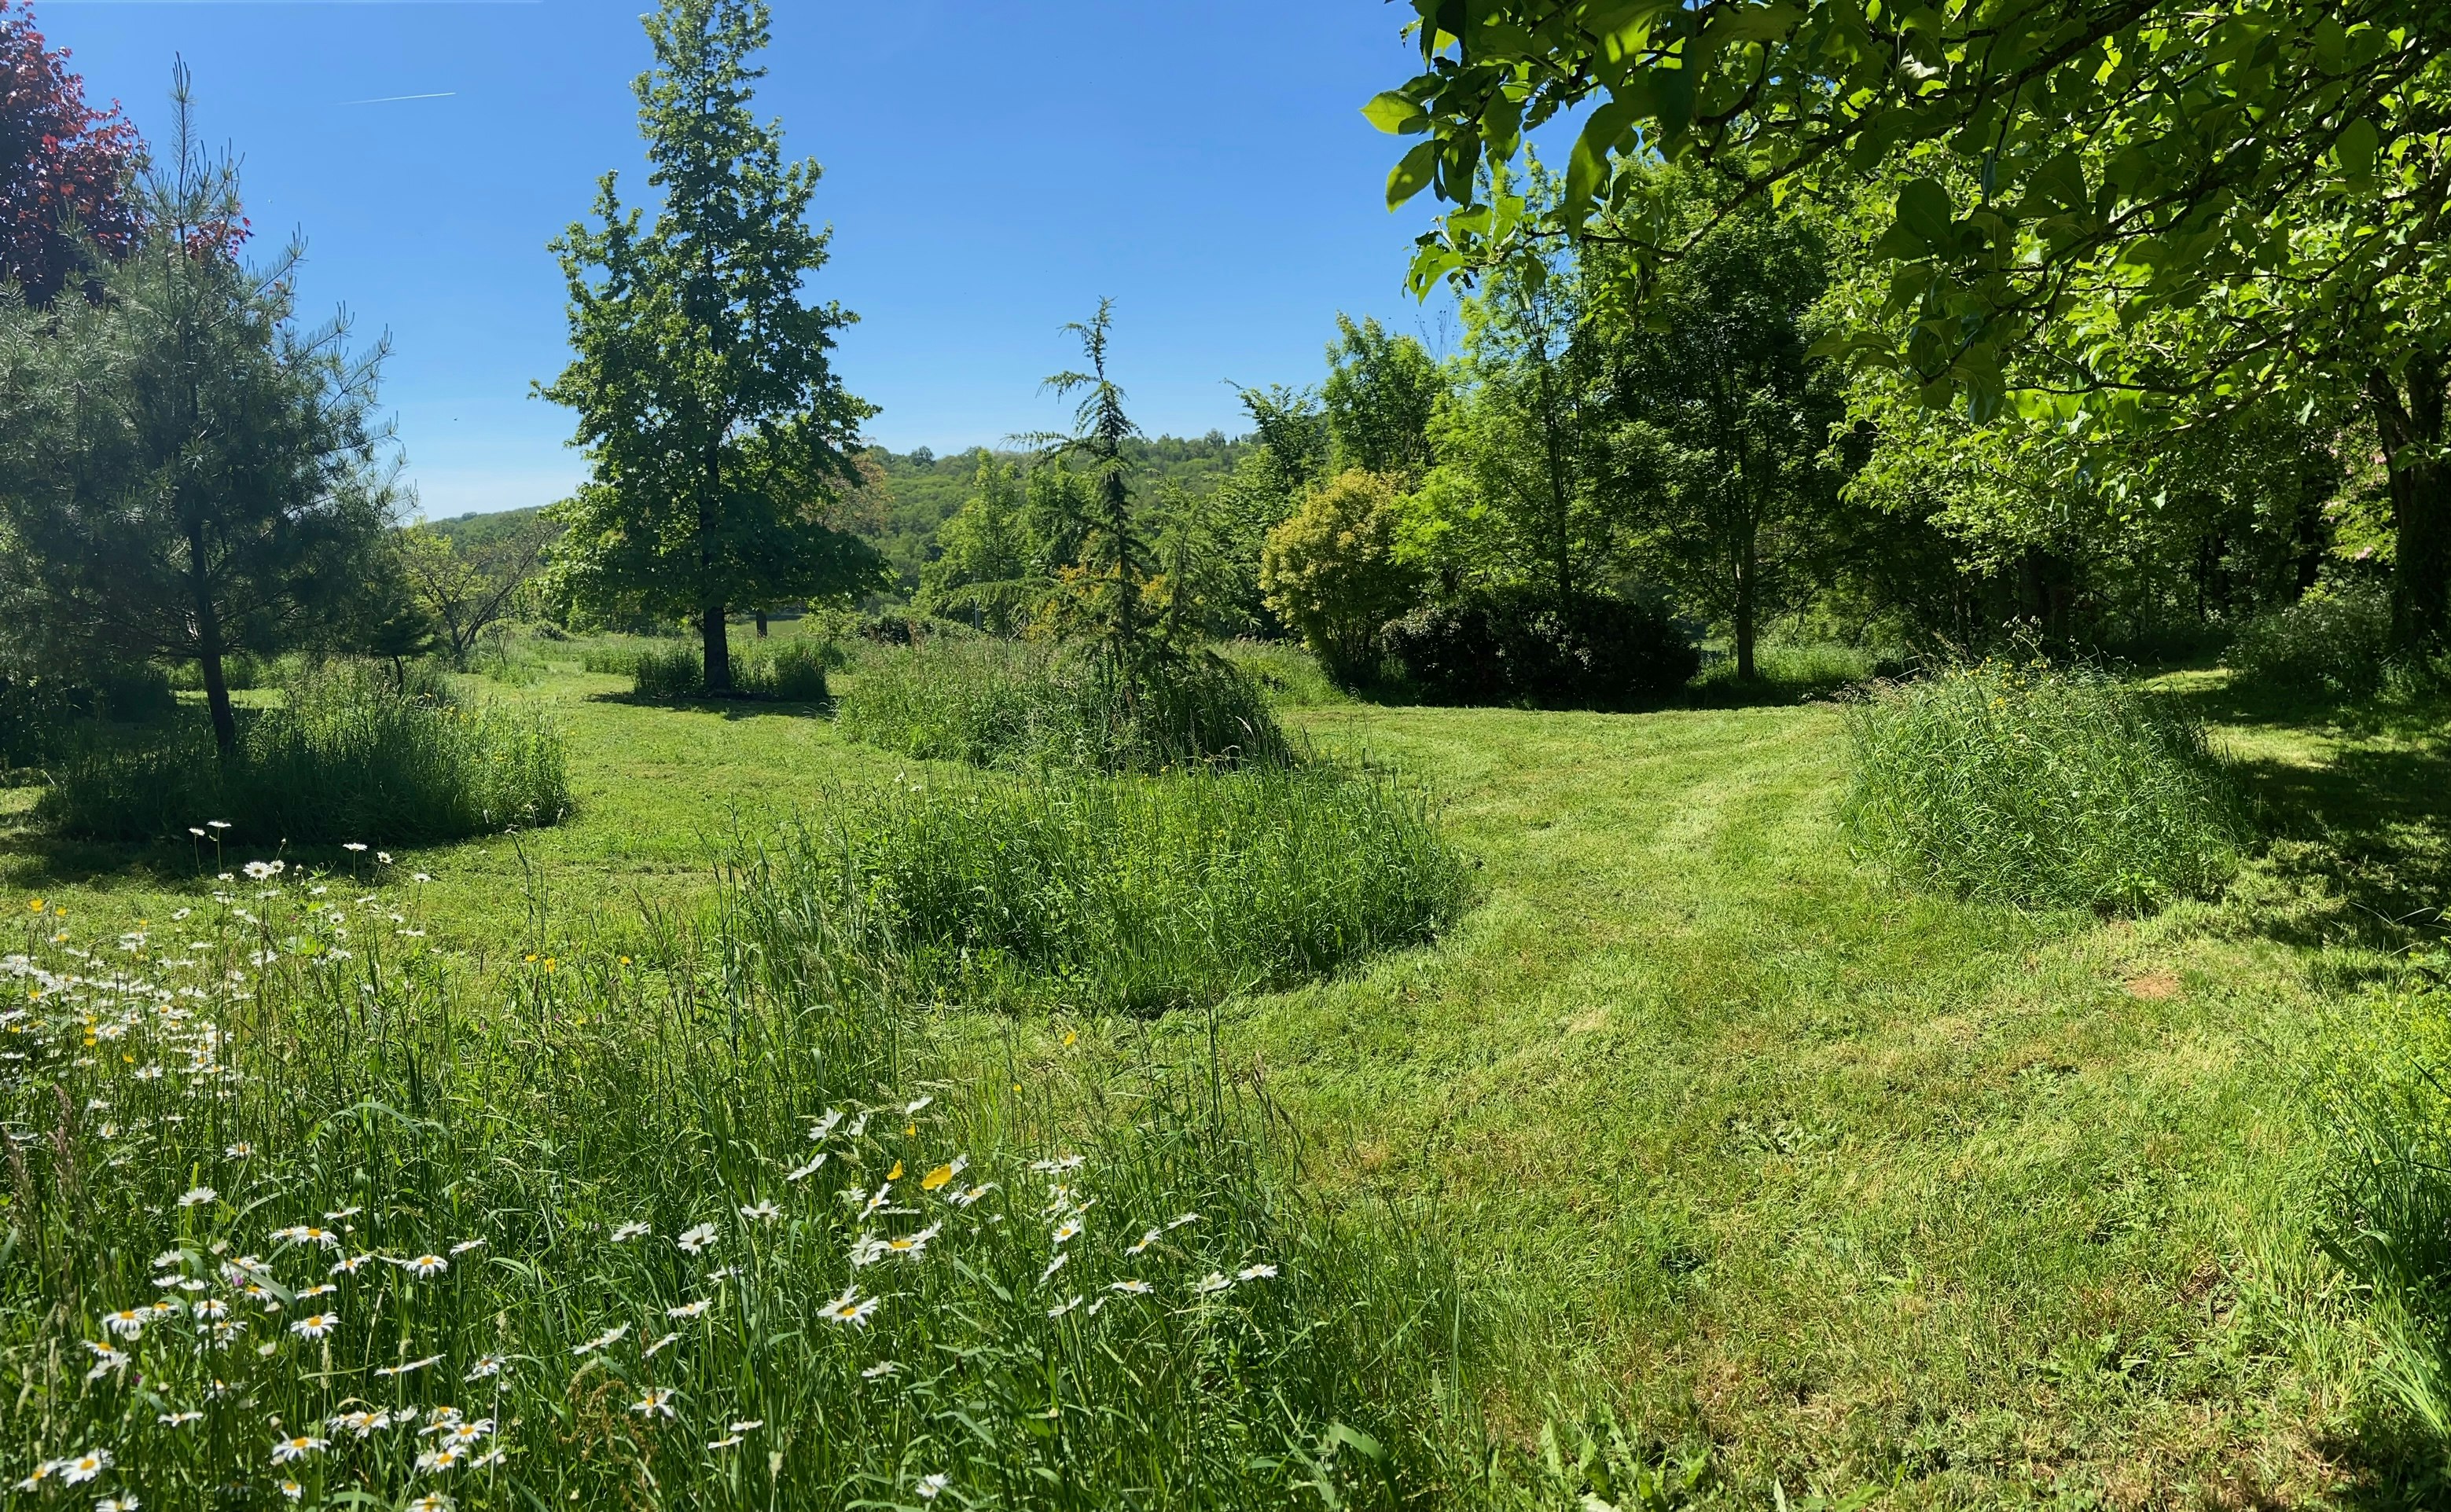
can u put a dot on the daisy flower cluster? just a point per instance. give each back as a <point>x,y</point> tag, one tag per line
<point>381,1265</point>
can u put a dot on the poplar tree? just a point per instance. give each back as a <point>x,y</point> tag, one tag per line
<point>719,437</point>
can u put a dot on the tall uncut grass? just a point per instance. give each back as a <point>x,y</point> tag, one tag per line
<point>996,704</point>
<point>792,671</point>
<point>367,1226</point>
<point>1131,895</point>
<point>2041,786</point>
<point>2335,641</point>
<point>347,755</point>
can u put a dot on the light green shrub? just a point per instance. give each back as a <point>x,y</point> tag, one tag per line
<point>2041,786</point>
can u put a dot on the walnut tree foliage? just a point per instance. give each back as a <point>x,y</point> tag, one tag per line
<point>2102,216</point>
<point>719,437</point>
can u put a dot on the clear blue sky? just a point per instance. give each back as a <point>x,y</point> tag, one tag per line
<point>992,166</point>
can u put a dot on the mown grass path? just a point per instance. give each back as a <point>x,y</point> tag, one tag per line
<point>1863,1185</point>
<point>1726,1130</point>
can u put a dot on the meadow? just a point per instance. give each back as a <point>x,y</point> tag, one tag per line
<point>1685,1156</point>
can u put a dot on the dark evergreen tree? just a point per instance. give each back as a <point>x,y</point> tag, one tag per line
<point>186,475</point>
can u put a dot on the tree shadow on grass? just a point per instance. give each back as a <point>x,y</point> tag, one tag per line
<point>2386,1463</point>
<point>730,708</point>
<point>2360,841</point>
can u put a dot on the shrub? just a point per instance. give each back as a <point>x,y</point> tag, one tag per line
<point>347,755</point>
<point>994,704</point>
<point>1523,645</point>
<point>2041,786</point>
<point>1331,571</point>
<point>2335,641</point>
<point>792,671</point>
<point>1132,894</point>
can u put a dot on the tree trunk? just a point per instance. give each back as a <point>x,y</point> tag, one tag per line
<point>762,624</point>
<point>719,651</point>
<point>1747,604</point>
<point>2412,435</point>
<point>209,647</point>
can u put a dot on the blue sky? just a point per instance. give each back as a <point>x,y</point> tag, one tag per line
<point>993,168</point>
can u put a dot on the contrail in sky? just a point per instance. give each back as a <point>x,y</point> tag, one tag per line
<point>395,99</point>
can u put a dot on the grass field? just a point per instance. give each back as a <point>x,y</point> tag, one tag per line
<point>1841,1186</point>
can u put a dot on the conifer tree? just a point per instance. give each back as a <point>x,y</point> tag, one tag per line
<point>186,475</point>
<point>1113,560</point>
<point>719,437</point>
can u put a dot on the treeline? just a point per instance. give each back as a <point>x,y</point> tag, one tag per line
<point>1586,468</point>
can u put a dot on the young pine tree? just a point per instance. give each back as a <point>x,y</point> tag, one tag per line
<point>187,477</point>
<point>1112,561</point>
<point>721,438</point>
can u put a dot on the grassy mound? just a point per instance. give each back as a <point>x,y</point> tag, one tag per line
<point>1132,895</point>
<point>994,704</point>
<point>792,671</point>
<point>2041,788</point>
<point>345,756</point>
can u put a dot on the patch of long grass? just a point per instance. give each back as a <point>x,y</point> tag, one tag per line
<point>1289,674</point>
<point>2041,786</point>
<point>347,755</point>
<point>2336,642</point>
<point>1130,895</point>
<point>343,1221</point>
<point>996,703</point>
<point>790,671</point>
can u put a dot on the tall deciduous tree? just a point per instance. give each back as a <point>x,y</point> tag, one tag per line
<point>1723,444</point>
<point>64,168</point>
<point>1380,394</point>
<point>720,435</point>
<point>188,476</point>
<point>2121,212</point>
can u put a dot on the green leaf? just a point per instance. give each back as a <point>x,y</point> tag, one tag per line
<point>2356,149</point>
<point>1396,115</point>
<point>1588,169</point>
<point>1412,174</point>
<point>1925,213</point>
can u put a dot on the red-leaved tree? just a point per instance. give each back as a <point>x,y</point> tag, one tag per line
<point>62,162</point>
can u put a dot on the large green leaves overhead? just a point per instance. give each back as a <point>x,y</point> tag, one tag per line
<point>2257,184</point>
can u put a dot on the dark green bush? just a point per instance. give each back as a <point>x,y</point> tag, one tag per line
<point>2334,643</point>
<point>2041,786</point>
<point>42,715</point>
<point>1131,893</point>
<point>347,755</point>
<point>996,704</point>
<point>1524,645</point>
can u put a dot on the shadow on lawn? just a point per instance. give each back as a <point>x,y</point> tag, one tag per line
<point>747,705</point>
<point>2361,841</point>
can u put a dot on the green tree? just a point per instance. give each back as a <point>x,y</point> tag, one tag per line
<point>2105,215</point>
<point>1722,450</point>
<point>719,434</point>
<point>985,563</point>
<point>466,589</point>
<point>1513,499</point>
<point>186,473</point>
<point>1333,574</point>
<point>1104,558</point>
<point>1380,394</point>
